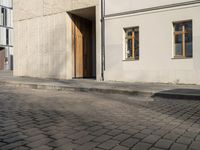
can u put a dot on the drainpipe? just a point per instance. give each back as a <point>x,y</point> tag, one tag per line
<point>102,39</point>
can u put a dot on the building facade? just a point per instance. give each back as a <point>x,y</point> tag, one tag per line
<point>6,29</point>
<point>131,40</point>
<point>152,41</point>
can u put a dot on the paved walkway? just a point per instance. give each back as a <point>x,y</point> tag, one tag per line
<point>57,120</point>
<point>149,89</point>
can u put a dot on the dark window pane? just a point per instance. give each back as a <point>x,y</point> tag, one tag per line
<point>188,47</point>
<point>178,45</point>
<point>188,26</point>
<point>129,32</point>
<point>129,48</point>
<point>178,26</point>
<point>178,38</point>
<point>7,37</point>
<point>136,45</point>
<point>137,54</point>
<point>188,44</point>
<point>178,51</point>
<point>137,35</point>
<point>136,29</point>
<point>2,10</point>
<point>188,37</point>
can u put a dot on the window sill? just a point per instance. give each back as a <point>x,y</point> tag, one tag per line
<point>179,57</point>
<point>130,59</point>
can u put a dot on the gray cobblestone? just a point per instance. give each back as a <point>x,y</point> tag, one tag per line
<point>100,132</point>
<point>84,139</point>
<point>114,132</point>
<point>147,131</point>
<point>39,143</point>
<point>77,135</point>
<point>68,146</point>
<point>2,144</point>
<point>176,146</point>
<point>197,138</point>
<point>108,144</point>
<point>161,132</point>
<point>130,142</point>
<point>151,139</point>
<point>195,146</point>
<point>120,148</point>
<point>12,145</point>
<point>163,143</point>
<point>43,148</point>
<point>60,142</point>
<point>31,119</point>
<point>35,138</point>
<point>184,140</point>
<point>141,146</point>
<point>140,136</point>
<point>21,148</point>
<point>102,138</point>
<point>88,146</point>
<point>172,136</point>
<point>154,148</point>
<point>121,137</point>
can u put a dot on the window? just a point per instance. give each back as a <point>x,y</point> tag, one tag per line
<point>183,39</point>
<point>6,3</point>
<point>5,17</point>
<point>132,43</point>
<point>6,36</point>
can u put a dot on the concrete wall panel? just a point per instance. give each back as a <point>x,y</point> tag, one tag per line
<point>24,9</point>
<point>42,37</point>
<point>57,6</point>
<point>40,47</point>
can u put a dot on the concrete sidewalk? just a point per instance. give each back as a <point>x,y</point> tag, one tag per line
<point>87,85</point>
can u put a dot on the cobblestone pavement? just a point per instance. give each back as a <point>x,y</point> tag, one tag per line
<point>45,120</point>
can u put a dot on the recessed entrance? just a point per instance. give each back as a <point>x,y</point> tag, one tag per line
<point>84,42</point>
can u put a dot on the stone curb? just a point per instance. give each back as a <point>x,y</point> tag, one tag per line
<point>177,96</point>
<point>105,90</point>
<point>73,88</point>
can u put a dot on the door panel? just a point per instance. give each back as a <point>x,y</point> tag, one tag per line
<point>82,34</point>
<point>79,53</point>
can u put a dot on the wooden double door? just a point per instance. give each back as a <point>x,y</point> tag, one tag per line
<point>82,45</point>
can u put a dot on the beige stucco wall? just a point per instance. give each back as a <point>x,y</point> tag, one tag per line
<point>156,62</point>
<point>118,6</point>
<point>42,37</point>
